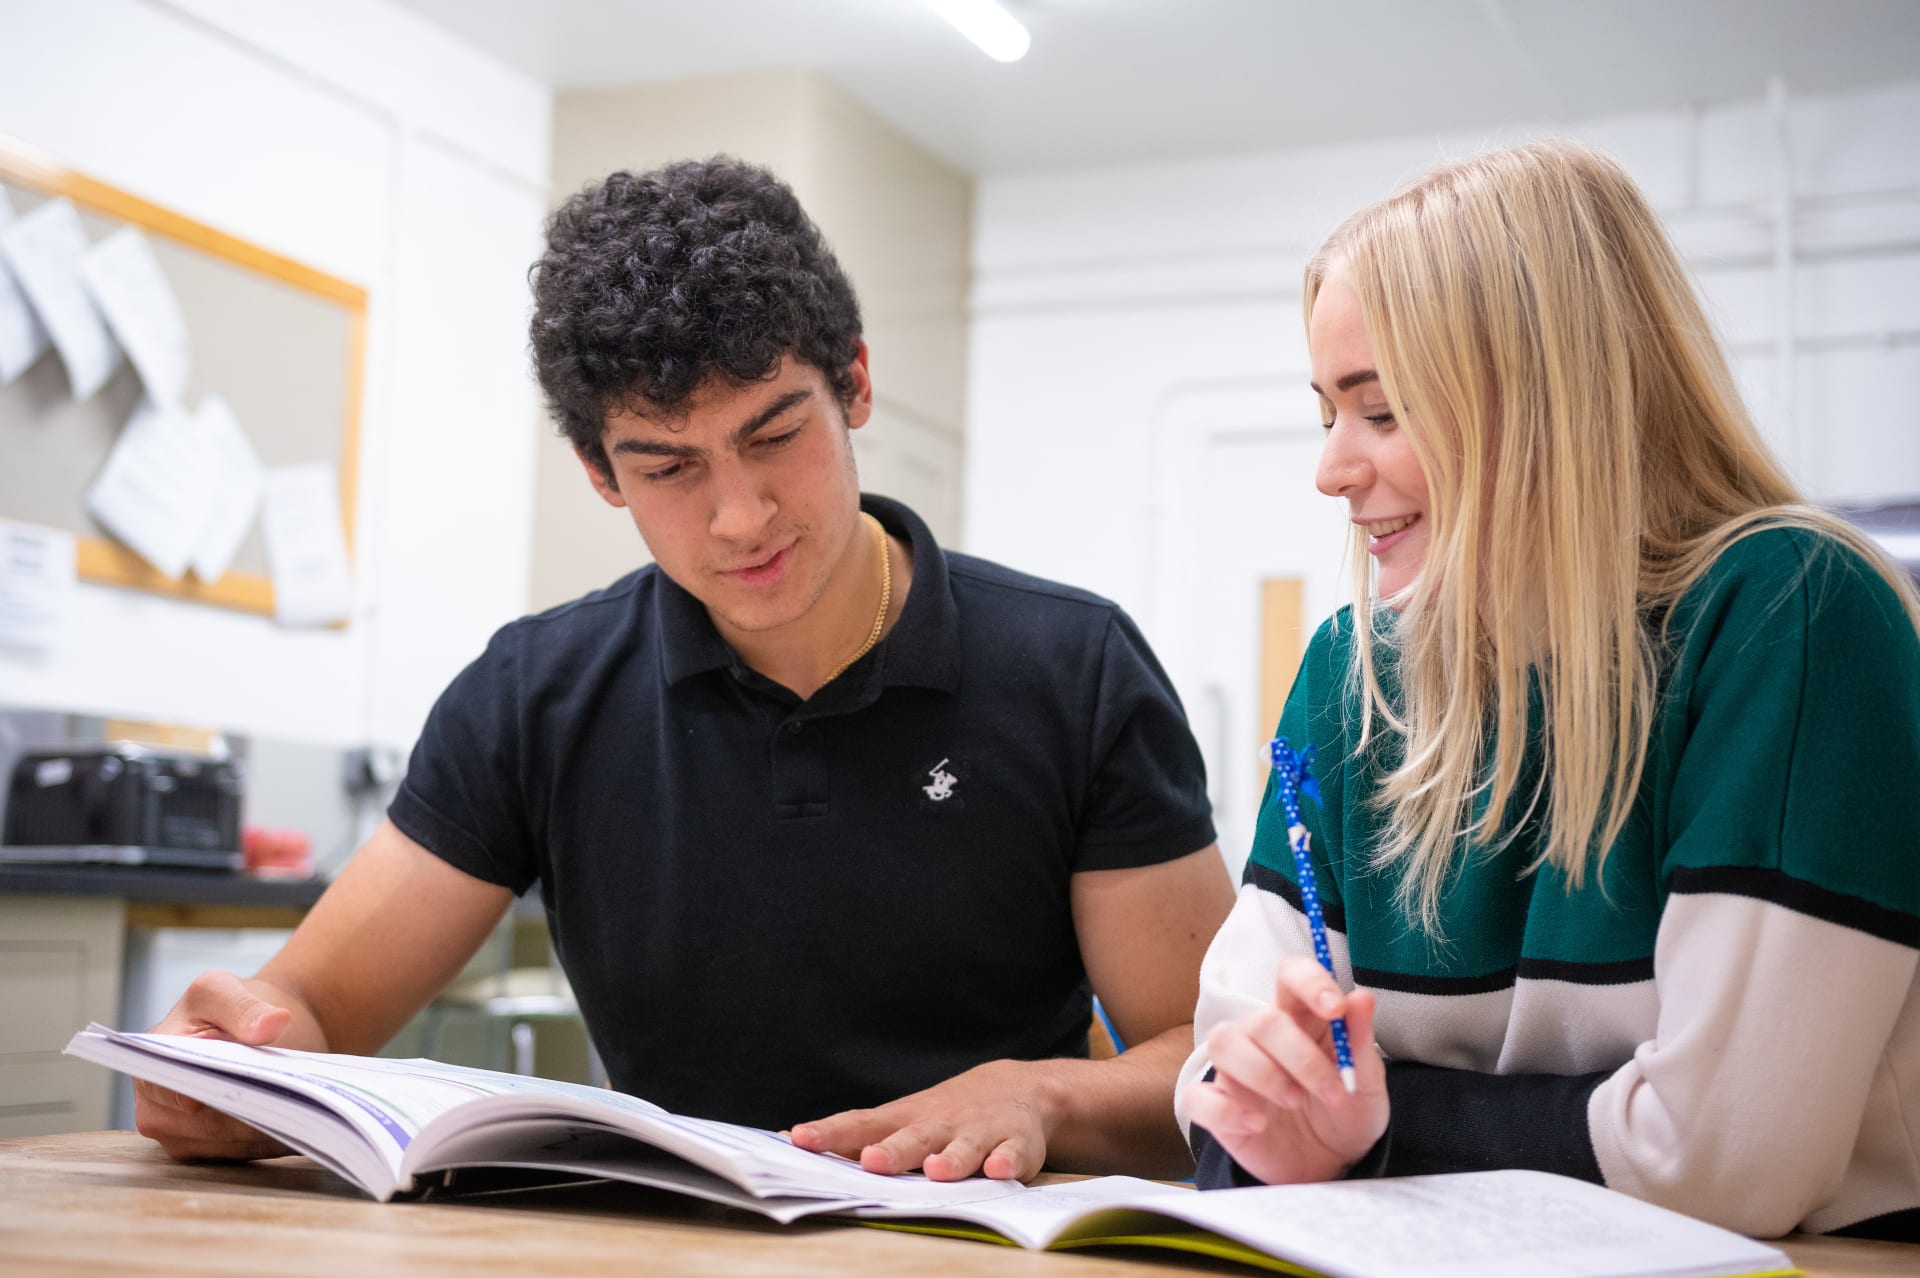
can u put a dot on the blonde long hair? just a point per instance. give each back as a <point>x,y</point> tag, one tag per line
<point>1587,457</point>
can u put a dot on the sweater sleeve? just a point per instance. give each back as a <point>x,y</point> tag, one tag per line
<point>1786,945</point>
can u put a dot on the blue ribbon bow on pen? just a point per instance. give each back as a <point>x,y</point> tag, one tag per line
<point>1292,773</point>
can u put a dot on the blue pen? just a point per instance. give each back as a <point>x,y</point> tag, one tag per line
<point>1290,771</point>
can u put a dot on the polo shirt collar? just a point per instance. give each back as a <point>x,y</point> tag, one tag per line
<point>922,650</point>
<point>689,643</point>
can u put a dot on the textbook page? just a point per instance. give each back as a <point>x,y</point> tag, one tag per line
<point>1501,1224</point>
<point>592,1152</point>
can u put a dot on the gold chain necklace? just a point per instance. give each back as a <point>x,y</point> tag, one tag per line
<point>886,597</point>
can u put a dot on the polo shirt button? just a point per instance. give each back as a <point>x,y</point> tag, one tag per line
<point>793,727</point>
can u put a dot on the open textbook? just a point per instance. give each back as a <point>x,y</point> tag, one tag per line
<point>414,1128</point>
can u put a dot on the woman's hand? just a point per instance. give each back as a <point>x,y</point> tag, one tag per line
<point>1276,1102</point>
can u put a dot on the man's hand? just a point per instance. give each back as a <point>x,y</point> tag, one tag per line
<point>1142,933</point>
<point>994,1119</point>
<point>393,929</point>
<point>1276,1102</point>
<point>216,1005</point>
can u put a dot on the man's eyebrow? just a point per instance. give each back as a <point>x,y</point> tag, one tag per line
<point>740,435</point>
<point>1350,381</point>
<point>789,400</point>
<point>656,448</point>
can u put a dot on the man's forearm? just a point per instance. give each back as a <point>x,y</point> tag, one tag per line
<point>1115,1117</point>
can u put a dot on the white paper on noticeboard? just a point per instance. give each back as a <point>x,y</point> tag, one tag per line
<point>126,283</point>
<point>36,585</point>
<point>23,338</point>
<point>153,492</point>
<point>44,249</point>
<point>235,491</point>
<point>307,545</point>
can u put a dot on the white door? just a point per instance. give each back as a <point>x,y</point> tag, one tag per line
<point>1237,506</point>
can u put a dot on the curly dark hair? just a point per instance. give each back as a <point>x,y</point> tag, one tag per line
<point>652,283</point>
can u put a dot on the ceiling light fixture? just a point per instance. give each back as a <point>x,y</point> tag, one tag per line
<point>997,32</point>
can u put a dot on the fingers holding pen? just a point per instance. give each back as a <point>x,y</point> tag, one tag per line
<point>1285,1053</point>
<point>1369,1063</point>
<point>1307,991</point>
<point>1309,994</point>
<point>1276,1101</point>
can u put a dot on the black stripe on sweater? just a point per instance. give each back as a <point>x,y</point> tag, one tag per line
<point>1268,880</point>
<point>1801,897</point>
<point>1627,972</point>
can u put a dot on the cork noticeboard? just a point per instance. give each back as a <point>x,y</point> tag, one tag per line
<point>284,343</point>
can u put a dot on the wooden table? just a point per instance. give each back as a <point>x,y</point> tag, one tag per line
<point>112,1203</point>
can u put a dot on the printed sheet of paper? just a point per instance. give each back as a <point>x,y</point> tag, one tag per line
<point>44,249</point>
<point>153,491</point>
<point>36,583</point>
<point>237,477</point>
<point>307,545</point>
<point>23,338</point>
<point>127,285</point>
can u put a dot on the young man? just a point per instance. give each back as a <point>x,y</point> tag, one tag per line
<point>832,827</point>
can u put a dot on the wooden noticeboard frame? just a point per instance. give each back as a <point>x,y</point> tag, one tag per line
<point>103,560</point>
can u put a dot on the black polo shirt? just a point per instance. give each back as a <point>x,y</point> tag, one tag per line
<point>773,909</point>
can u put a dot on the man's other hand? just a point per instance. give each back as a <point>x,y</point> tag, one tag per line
<point>216,1005</point>
<point>995,1120</point>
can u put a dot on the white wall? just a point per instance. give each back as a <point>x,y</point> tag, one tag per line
<point>354,137</point>
<point>1138,420</point>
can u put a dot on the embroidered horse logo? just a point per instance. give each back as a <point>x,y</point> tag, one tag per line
<point>943,782</point>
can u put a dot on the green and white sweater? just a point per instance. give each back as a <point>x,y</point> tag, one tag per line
<point>1727,1022</point>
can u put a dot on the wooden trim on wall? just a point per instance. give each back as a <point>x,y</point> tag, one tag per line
<point>1282,644</point>
<point>102,560</point>
<point>34,168</point>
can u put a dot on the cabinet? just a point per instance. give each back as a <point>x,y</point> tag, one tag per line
<point>63,949</point>
<point>59,969</point>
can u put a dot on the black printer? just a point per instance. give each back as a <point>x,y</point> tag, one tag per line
<point>125,804</point>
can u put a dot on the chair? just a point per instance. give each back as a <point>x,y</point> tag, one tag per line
<point>515,999</point>
<point>1103,1041</point>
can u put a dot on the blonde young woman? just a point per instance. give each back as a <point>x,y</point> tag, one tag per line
<point>1617,830</point>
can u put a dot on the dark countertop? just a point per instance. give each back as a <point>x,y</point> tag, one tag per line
<point>152,883</point>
